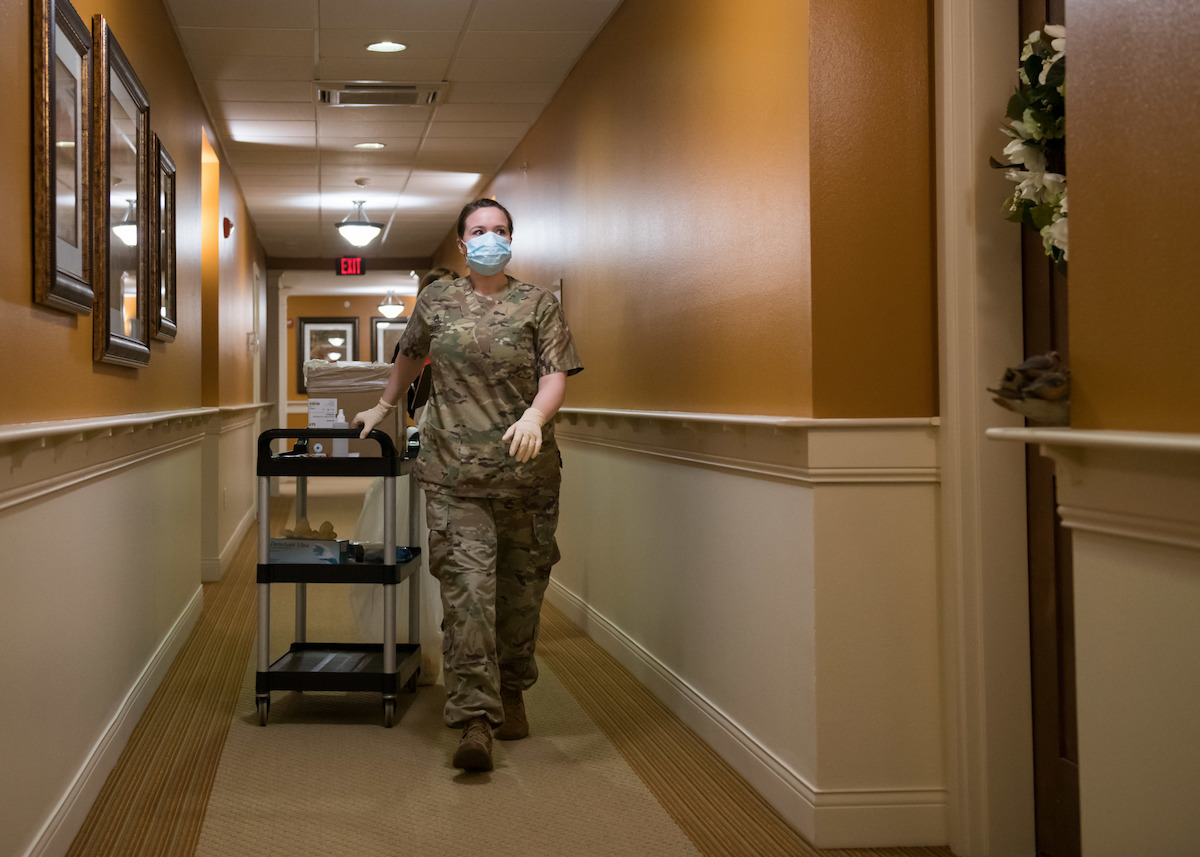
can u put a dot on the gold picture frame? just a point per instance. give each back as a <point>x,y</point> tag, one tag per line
<point>120,232</point>
<point>62,158</point>
<point>163,307</point>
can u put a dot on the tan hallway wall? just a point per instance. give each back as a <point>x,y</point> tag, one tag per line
<point>55,350</point>
<point>722,248</point>
<point>1134,99</point>
<point>103,529</point>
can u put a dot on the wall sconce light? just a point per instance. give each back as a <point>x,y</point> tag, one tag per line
<point>227,226</point>
<point>126,230</point>
<point>360,232</point>
<point>391,307</point>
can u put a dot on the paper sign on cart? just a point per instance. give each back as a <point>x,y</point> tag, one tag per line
<point>322,412</point>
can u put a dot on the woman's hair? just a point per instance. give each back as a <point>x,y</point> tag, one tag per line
<point>434,275</point>
<point>471,207</point>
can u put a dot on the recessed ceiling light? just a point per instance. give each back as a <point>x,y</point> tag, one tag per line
<point>368,145</point>
<point>386,47</point>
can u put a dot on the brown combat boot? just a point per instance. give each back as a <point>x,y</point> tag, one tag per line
<point>515,725</point>
<point>474,751</point>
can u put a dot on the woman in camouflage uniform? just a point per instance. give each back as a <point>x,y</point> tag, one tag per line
<point>501,352</point>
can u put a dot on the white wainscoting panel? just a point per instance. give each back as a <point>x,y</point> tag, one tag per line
<point>100,588</point>
<point>1132,502</point>
<point>775,584</point>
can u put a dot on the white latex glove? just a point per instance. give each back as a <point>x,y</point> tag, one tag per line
<point>526,435</point>
<point>373,417</point>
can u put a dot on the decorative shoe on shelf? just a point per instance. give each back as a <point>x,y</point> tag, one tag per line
<point>1039,388</point>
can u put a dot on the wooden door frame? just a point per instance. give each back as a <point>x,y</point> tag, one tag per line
<point>989,749</point>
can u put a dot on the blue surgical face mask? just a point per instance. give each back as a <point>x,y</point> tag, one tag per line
<point>488,253</point>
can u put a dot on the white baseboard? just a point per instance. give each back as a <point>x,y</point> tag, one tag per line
<point>213,569</point>
<point>828,819</point>
<point>55,838</point>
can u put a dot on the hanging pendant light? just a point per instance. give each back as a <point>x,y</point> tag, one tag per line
<point>391,307</point>
<point>360,232</point>
<point>126,230</point>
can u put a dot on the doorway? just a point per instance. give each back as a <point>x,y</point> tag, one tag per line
<point>1051,604</point>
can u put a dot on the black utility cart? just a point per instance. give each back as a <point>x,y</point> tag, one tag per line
<point>337,666</point>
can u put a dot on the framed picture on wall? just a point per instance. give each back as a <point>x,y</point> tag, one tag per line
<point>162,247</point>
<point>120,205</point>
<point>332,338</point>
<point>62,158</point>
<point>385,333</point>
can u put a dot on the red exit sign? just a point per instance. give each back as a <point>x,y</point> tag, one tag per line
<point>350,266</point>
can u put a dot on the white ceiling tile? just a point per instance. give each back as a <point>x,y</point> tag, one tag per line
<point>249,130</point>
<point>264,110</point>
<point>511,71</point>
<point>331,129</point>
<point>488,92</point>
<point>528,45</point>
<point>258,90</point>
<point>418,14</point>
<point>385,173</point>
<point>439,182</point>
<point>211,67</point>
<point>268,187</point>
<point>239,13</point>
<point>519,112</point>
<point>485,147</point>
<point>346,115</point>
<point>279,172</point>
<point>354,157</point>
<point>395,68</point>
<point>249,153</point>
<point>464,162</point>
<point>225,41</point>
<point>514,130</point>
<point>541,15</point>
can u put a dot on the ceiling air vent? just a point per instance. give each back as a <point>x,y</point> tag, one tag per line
<point>350,94</point>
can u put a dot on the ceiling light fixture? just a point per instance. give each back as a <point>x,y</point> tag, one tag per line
<point>368,145</point>
<point>360,232</point>
<point>126,230</point>
<point>391,307</point>
<point>386,47</point>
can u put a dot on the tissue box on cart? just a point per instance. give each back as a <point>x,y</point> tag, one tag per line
<point>351,387</point>
<point>308,551</point>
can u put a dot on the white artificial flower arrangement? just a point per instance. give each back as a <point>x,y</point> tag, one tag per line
<point>1036,153</point>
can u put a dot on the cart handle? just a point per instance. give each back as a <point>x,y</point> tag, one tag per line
<point>387,449</point>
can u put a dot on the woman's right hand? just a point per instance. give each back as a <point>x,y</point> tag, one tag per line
<point>372,417</point>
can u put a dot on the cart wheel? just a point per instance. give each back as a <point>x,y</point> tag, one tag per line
<point>264,705</point>
<point>410,686</point>
<point>389,712</point>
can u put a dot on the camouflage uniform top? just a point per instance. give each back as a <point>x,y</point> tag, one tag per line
<point>488,354</point>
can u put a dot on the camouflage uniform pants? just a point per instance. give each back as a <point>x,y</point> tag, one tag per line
<point>492,556</point>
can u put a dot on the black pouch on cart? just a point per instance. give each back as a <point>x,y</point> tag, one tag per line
<point>373,552</point>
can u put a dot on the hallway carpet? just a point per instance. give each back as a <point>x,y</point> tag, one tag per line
<point>156,799</point>
<point>326,778</point>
